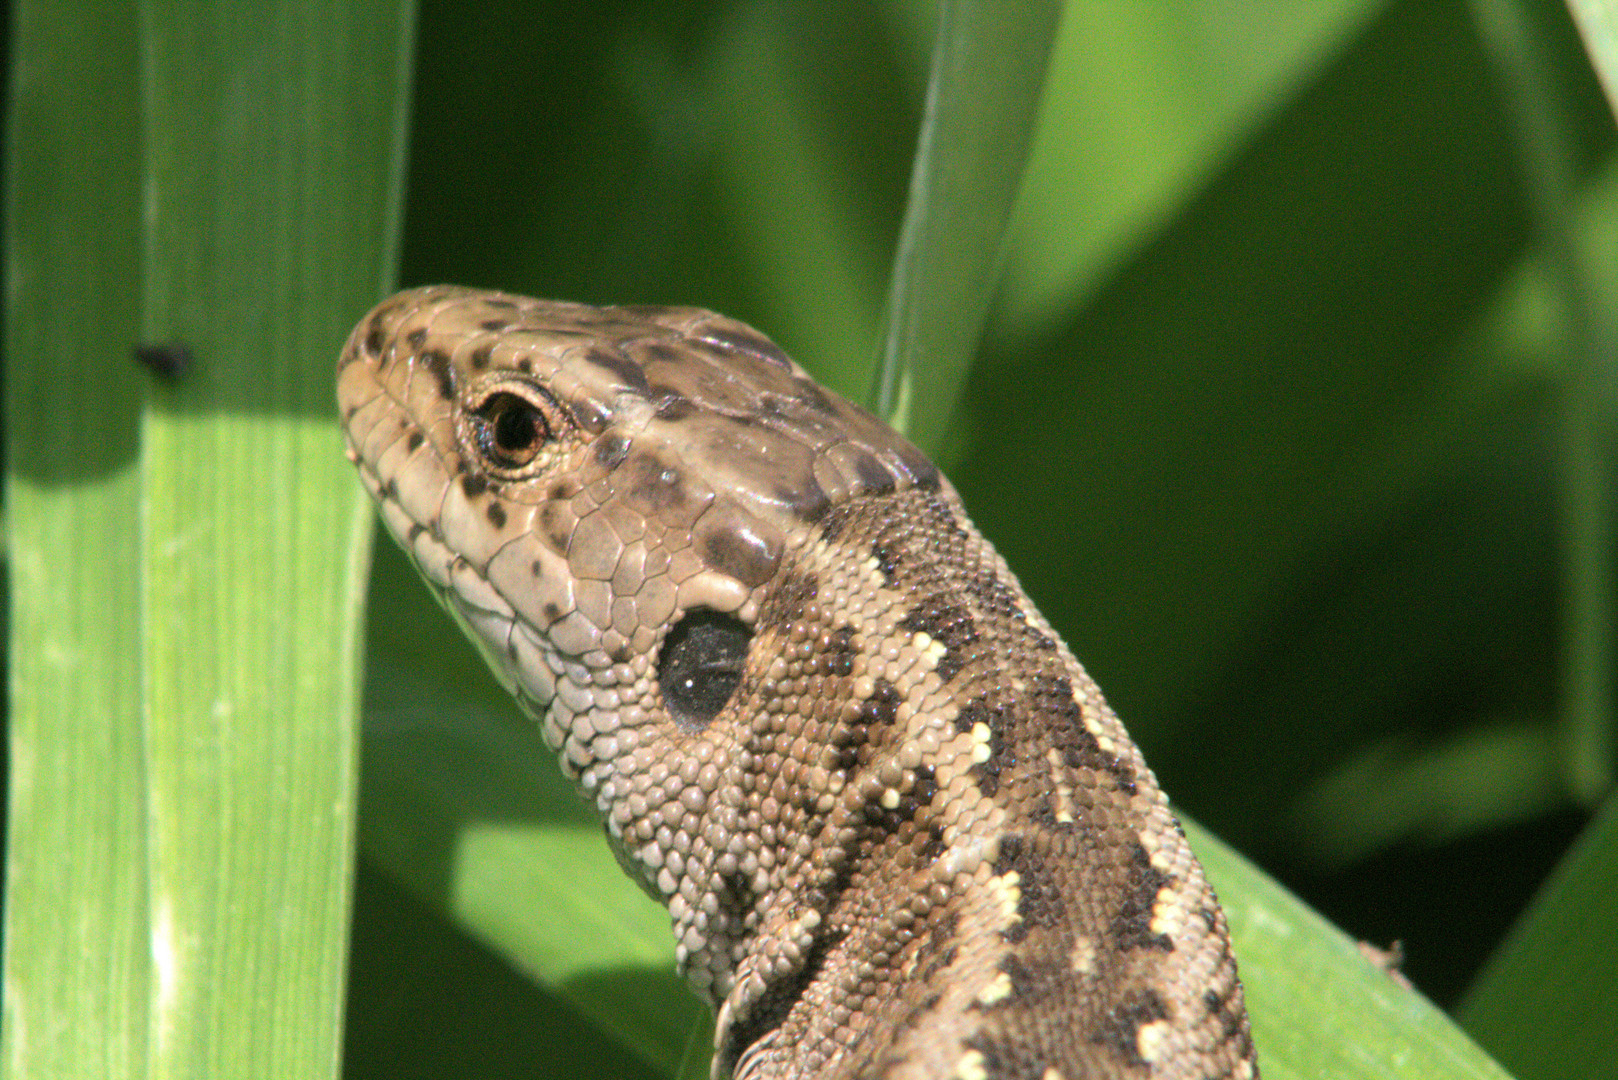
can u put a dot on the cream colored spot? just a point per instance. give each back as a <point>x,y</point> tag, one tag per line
<point>1007,892</point>
<point>930,648</point>
<point>972,1066</point>
<point>999,989</point>
<point>980,742</point>
<point>1151,1040</point>
<point>1052,1073</point>
<point>1064,790</point>
<point>1084,956</point>
<point>1162,857</point>
<point>890,799</point>
<point>1168,915</point>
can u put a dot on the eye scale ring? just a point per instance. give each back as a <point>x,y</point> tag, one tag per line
<point>510,426</point>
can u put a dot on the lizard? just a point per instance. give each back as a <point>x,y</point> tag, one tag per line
<point>898,830</point>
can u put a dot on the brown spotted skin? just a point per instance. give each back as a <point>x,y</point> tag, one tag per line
<point>908,838</point>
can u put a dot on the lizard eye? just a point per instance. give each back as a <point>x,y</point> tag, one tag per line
<point>510,429</point>
<point>701,665</point>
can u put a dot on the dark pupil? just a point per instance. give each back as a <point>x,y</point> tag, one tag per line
<point>515,429</point>
<point>701,664</point>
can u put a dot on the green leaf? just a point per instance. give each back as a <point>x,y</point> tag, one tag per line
<point>1319,1006</point>
<point>1547,149</point>
<point>988,69</point>
<point>190,548</point>
<point>77,961</point>
<point>1598,23</point>
<point>1545,1002</point>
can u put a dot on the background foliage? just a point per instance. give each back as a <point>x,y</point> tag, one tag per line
<point>1271,417</point>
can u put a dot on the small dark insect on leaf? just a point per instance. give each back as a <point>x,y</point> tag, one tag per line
<point>170,360</point>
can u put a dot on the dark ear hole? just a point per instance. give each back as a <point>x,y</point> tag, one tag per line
<point>701,664</point>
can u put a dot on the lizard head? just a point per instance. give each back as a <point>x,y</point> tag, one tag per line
<point>605,499</point>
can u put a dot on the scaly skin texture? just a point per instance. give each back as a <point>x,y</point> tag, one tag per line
<point>898,831</point>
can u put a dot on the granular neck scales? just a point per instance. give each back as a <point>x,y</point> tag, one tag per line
<point>898,830</point>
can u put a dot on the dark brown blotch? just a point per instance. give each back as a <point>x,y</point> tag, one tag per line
<point>921,792</point>
<point>808,502</point>
<point>971,714</point>
<point>654,486</point>
<point>438,365</point>
<point>1227,1010</point>
<point>626,371</point>
<point>611,449</point>
<point>1004,1059</point>
<point>1132,923</point>
<point>948,622</point>
<point>1030,983</point>
<point>481,357</point>
<point>920,795</point>
<point>753,344</point>
<point>375,335</point>
<point>879,710</point>
<point>740,553</point>
<point>1044,815</point>
<point>837,652</point>
<point>1058,713</point>
<point>834,521</point>
<point>888,556</point>
<point>662,352</point>
<point>933,846</point>
<point>413,443</point>
<point>811,394</point>
<point>873,476</point>
<point>474,484</point>
<point>786,602</point>
<point>882,707</point>
<point>556,527</point>
<point>671,404</point>
<point>1039,897</point>
<point>987,773</point>
<point>496,515</point>
<point>938,950</point>
<point>992,595</point>
<point>417,337</point>
<point>923,473</point>
<point>1121,1024</point>
<point>495,325</point>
